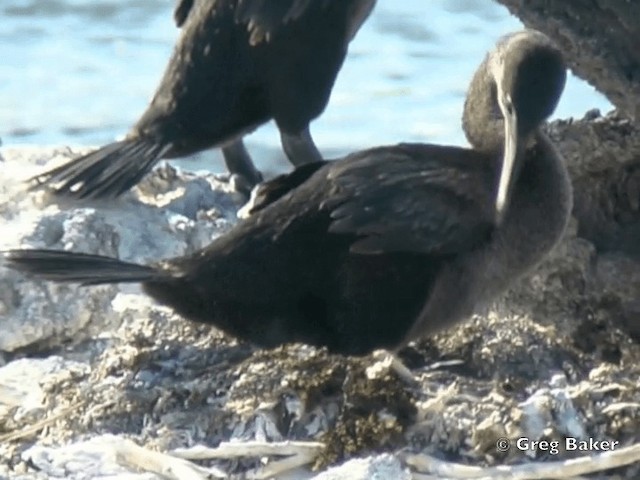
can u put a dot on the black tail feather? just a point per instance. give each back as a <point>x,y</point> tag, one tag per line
<point>61,266</point>
<point>105,173</point>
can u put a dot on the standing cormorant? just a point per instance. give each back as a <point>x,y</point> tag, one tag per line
<point>237,65</point>
<point>386,245</point>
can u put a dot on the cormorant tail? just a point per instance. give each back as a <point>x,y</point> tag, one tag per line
<point>61,266</point>
<point>104,173</point>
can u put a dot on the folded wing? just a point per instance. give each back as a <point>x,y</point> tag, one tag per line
<point>413,198</point>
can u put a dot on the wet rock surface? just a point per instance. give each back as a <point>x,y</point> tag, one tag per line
<point>87,368</point>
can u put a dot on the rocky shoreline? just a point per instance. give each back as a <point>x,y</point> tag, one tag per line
<point>103,383</point>
<point>89,373</point>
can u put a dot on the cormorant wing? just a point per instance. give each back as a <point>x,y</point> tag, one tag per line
<point>261,17</point>
<point>264,17</point>
<point>413,198</point>
<point>181,12</point>
<point>268,192</point>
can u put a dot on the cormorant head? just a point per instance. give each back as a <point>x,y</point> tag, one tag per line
<point>529,73</point>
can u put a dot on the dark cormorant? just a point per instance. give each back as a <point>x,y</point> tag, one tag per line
<point>237,65</point>
<point>386,245</point>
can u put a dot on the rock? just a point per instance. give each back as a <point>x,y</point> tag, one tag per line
<point>91,459</point>
<point>187,213</point>
<point>24,384</point>
<point>552,358</point>
<point>603,156</point>
<point>371,468</point>
<point>600,39</point>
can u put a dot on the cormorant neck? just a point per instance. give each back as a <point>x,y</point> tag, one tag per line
<point>543,191</point>
<point>482,120</point>
<point>536,218</point>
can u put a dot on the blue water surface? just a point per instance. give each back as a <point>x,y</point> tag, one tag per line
<point>80,72</point>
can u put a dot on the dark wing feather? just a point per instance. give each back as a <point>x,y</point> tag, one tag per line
<point>413,198</point>
<point>181,12</point>
<point>268,192</point>
<point>264,17</point>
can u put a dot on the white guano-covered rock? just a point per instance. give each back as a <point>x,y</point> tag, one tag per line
<point>166,216</point>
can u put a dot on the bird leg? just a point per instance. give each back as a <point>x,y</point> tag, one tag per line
<point>299,147</point>
<point>240,166</point>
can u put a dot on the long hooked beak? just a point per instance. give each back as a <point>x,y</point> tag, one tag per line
<point>509,156</point>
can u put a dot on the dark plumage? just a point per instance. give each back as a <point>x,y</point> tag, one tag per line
<point>386,245</point>
<point>237,65</point>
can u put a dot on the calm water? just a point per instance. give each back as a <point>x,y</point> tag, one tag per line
<point>80,72</point>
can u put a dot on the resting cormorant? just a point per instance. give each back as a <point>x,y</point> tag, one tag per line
<point>385,245</point>
<point>237,65</point>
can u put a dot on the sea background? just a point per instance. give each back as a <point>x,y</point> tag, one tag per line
<point>80,72</point>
